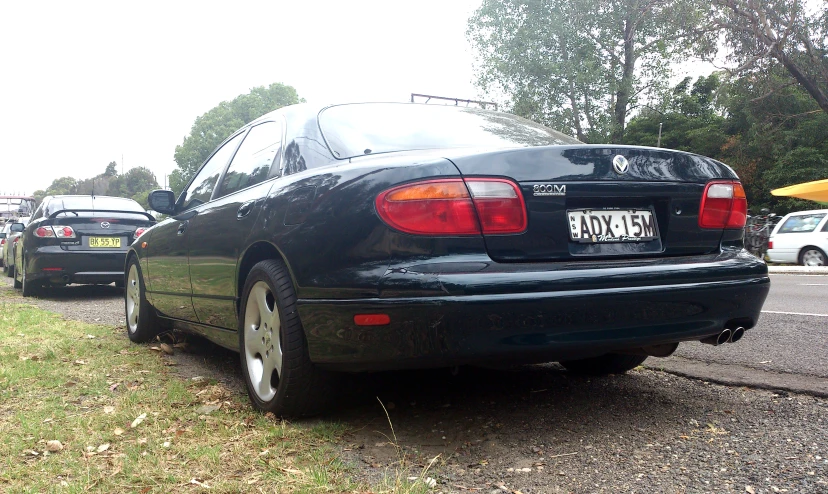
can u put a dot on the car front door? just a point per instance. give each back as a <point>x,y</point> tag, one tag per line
<point>167,253</point>
<point>218,234</point>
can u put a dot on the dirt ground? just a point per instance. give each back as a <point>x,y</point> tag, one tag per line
<point>538,429</point>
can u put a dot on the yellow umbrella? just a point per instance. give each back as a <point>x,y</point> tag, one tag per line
<point>815,191</point>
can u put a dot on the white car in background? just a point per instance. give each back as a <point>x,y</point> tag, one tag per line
<point>801,238</point>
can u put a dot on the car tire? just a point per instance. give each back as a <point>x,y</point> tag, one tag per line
<point>277,370</point>
<point>611,363</point>
<point>141,320</point>
<point>28,288</point>
<point>812,256</point>
<point>16,283</point>
<point>10,271</point>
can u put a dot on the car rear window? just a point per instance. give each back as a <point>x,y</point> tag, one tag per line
<point>803,223</point>
<point>371,128</point>
<point>96,203</point>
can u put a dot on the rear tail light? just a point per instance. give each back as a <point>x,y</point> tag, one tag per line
<point>138,232</point>
<point>44,232</point>
<point>499,205</point>
<point>2,241</point>
<point>770,244</point>
<point>723,205</point>
<point>445,207</point>
<point>56,231</point>
<point>435,207</point>
<point>64,231</point>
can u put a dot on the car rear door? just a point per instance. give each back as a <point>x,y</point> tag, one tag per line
<point>167,250</point>
<point>218,234</point>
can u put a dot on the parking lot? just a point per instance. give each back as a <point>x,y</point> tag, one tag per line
<point>539,429</point>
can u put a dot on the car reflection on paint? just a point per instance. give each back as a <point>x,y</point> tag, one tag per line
<point>362,237</point>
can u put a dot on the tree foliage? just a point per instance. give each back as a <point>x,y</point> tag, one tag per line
<point>134,184</point>
<point>582,65</point>
<point>771,140</point>
<point>760,33</point>
<point>211,128</point>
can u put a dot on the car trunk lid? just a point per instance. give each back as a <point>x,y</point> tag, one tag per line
<point>580,204</point>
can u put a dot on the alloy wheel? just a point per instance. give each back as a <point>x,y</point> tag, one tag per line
<point>262,341</point>
<point>132,292</point>
<point>812,257</point>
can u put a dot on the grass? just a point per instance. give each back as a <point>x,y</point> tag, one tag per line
<point>86,386</point>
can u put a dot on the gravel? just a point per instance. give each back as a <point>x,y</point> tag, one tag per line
<point>538,429</point>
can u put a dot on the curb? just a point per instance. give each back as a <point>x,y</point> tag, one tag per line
<point>739,375</point>
<point>805,270</point>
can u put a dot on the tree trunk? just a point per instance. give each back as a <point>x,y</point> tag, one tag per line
<point>573,100</point>
<point>808,84</point>
<point>622,99</point>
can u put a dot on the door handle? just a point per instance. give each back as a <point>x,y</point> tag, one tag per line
<point>245,209</point>
<point>182,227</point>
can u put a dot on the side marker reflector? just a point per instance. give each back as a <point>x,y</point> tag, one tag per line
<point>372,319</point>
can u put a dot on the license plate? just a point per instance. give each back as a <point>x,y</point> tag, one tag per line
<point>612,225</point>
<point>105,242</point>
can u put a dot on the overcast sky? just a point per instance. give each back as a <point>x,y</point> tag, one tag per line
<point>83,83</point>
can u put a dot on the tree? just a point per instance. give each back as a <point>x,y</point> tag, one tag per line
<point>762,31</point>
<point>63,185</point>
<point>582,65</point>
<point>690,117</point>
<point>134,182</point>
<point>111,169</point>
<point>211,128</point>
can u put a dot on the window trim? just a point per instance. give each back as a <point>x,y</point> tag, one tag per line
<point>269,178</point>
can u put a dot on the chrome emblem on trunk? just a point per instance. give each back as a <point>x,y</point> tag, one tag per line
<point>549,190</point>
<point>620,164</point>
<point>104,224</point>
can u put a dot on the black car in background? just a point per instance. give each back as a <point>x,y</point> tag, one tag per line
<point>386,236</point>
<point>77,239</point>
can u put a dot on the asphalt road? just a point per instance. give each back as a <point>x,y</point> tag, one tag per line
<point>790,341</point>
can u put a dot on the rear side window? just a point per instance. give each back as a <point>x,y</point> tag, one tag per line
<point>202,186</point>
<point>803,223</point>
<point>256,159</point>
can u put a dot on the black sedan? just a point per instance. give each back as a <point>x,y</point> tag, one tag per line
<point>77,239</point>
<point>378,236</point>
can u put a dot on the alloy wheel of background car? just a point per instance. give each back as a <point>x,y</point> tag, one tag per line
<point>812,256</point>
<point>142,322</point>
<point>28,288</point>
<point>611,363</point>
<point>279,375</point>
<point>14,273</point>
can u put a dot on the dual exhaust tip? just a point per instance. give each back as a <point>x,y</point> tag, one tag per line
<point>726,336</point>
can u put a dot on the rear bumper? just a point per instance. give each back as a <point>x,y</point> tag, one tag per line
<point>550,314</point>
<point>59,266</point>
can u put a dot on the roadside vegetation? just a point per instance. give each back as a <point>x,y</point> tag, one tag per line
<point>82,409</point>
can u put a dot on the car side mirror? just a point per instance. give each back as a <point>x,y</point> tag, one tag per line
<point>162,201</point>
<point>17,227</point>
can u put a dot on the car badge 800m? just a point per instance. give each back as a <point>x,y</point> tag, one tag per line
<point>549,190</point>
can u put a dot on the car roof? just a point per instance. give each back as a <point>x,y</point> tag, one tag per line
<point>811,211</point>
